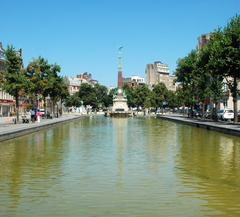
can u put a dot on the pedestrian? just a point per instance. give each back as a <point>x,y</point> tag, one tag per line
<point>32,115</point>
<point>38,115</point>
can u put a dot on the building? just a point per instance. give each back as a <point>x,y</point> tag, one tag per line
<point>87,78</point>
<point>203,40</point>
<point>133,81</point>
<point>74,83</point>
<point>158,72</point>
<point>7,103</point>
<point>227,100</point>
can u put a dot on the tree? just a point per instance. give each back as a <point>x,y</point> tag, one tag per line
<point>88,95</point>
<point>38,71</point>
<point>102,95</point>
<point>160,94</point>
<point>186,74</point>
<point>63,91</point>
<point>141,94</point>
<point>130,93</point>
<point>109,100</point>
<point>172,99</point>
<point>73,100</point>
<point>225,56</point>
<point>14,80</point>
<point>55,86</point>
<point>211,84</point>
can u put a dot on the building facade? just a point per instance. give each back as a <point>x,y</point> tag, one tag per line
<point>158,72</point>
<point>227,99</point>
<point>203,40</point>
<point>7,103</point>
<point>74,83</point>
<point>133,81</point>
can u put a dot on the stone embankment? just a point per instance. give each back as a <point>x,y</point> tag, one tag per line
<point>10,131</point>
<point>220,126</point>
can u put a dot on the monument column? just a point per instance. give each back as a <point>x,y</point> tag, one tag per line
<point>120,80</point>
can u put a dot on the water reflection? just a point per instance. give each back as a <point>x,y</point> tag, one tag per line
<point>120,167</point>
<point>208,166</point>
<point>120,130</point>
<point>26,163</point>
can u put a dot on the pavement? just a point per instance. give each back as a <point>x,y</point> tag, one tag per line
<point>221,126</point>
<point>11,130</point>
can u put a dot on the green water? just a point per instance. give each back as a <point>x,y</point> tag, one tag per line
<point>102,167</point>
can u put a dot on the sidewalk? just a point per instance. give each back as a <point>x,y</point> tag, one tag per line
<point>10,130</point>
<point>220,126</point>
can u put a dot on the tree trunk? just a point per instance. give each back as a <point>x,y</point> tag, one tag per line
<point>234,95</point>
<point>45,106</point>
<point>53,108</point>
<point>61,109</point>
<point>57,110</point>
<point>17,107</point>
<point>203,109</point>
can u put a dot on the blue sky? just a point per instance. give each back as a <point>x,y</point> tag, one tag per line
<point>84,35</point>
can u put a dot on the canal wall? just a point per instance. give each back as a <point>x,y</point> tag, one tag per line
<point>223,127</point>
<point>11,131</point>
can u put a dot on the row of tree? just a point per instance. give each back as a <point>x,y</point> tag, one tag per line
<point>96,96</point>
<point>158,97</point>
<point>34,83</point>
<point>140,97</point>
<point>204,72</point>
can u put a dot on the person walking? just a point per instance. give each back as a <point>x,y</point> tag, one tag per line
<point>38,115</point>
<point>32,115</point>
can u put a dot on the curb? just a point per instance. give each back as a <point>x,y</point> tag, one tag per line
<point>207,126</point>
<point>21,132</point>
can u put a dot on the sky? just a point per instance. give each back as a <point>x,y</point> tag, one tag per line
<point>84,35</point>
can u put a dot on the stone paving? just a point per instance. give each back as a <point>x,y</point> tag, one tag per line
<point>221,126</point>
<point>11,130</point>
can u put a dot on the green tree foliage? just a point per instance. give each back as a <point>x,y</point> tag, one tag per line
<point>14,80</point>
<point>102,96</point>
<point>37,72</point>
<point>45,81</point>
<point>225,56</point>
<point>172,100</point>
<point>130,95</point>
<point>187,75</point>
<point>88,95</point>
<point>160,94</point>
<point>203,72</point>
<point>141,95</point>
<point>73,101</point>
<point>110,95</point>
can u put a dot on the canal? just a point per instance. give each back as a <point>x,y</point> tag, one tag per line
<point>102,167</point>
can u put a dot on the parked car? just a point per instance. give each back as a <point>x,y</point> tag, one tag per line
<point>225,114</point>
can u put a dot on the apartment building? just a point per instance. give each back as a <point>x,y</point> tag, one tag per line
<point>159,72</point>
<point>74,83</point>
<point>134,81</point>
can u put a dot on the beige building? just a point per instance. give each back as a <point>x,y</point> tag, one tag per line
<point>203,40</point>
<point>74,83</point>
<point>159,73</point>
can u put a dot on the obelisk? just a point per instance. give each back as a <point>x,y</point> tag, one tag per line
<point>120,80</point>
<point>120,107</point>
